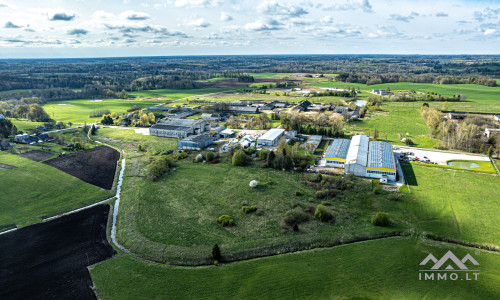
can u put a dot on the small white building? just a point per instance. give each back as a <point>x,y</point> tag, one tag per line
<point>357,156</point>
<point>497,118</point>
<point>271,138</point>
<point>489,131</point>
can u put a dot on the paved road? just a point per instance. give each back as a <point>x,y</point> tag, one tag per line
<point>441,157</point>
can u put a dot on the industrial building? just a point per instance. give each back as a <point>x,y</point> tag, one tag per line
<point>314,140</point>
<point>179,128</point>
<point>360,157</point>
<point>337,153</point>
<point>381,161</point>
<point>357,156</point>
<point>195,142</point>
<point>271,138</point>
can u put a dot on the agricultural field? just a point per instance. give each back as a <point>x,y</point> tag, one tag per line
<point>379,269</point>
<point>23,124</point>
<point>78,111</point>
<point>56,192</point>
<point>171,94</point>
<point>458,204</point>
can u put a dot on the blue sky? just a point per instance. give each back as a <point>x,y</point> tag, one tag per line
<point>90,28</point>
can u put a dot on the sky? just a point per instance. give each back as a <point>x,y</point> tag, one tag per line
<point>104,28</point>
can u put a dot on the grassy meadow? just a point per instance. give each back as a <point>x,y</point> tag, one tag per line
<point>379,269</point>
<point>34,190</point>
<point>78,111</point>
<point>457,204</point>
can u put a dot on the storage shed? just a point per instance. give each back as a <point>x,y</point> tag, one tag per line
<point>271,138</point>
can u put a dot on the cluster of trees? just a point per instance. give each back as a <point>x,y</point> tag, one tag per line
<point>245,78</point>
<point>460,134</point>
<point>136,118</point>
<point>320,123</point>
<point>284,158</point>
<point>27,108</point>
<point>350,93</point>
<point>372,78</point>
<point>7,128</point>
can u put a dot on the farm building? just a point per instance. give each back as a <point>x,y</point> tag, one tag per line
<point>314,140</point>
<point>271,138</point>
<point>179,128</point>
<point>337,153</point>
<point>213,117</point>
<point>381,161</point>
<point>304,106</point>
<point>357,156</point>
<point>25,138</point>
<point>240,109</point>
<point>195,142</point>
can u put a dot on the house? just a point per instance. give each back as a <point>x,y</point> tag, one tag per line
<point>291,134</point>
<point>195,142</point>
<point>357,156</point>
<point>25,138</point>
<point>279,104</point>
<point>380,92</point>
<point>381,161</point>
<point>336,154</point>
<point>318,108</point>
<point>2,117</point>
<point>43,137</point>
<point>179,128</point>
<point>226,133</point>
<point>216,117</point>
<point>271,137</point>
<point>489,131</point>
<point>303,106</point>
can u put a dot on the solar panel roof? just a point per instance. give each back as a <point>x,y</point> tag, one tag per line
<point>338,149</point>
<point>380,156</point>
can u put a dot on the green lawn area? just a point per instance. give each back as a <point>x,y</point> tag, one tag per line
<point>127,138</point>
<point>34,190</point>
<point>78,111</point>
<point>23,124</point>
<point>457,204</point>
<point>380,269</point>
<point>176,94</point>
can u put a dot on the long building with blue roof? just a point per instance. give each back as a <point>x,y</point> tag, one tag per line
<point>381,161</point>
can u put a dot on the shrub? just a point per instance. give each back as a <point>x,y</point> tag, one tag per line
<point>140,148</point>
<point>248,209</point>
<point>239,158</point>
<point>225,220</point>
<point>216,253</point>
<point>320,194</point>
<point>323,214</point>
<point>376,190</point>
<point>381,219</point>
<point>158,167</point>
<point>295,216</point>
<point>263,154</point>
<point>326,203</point>
<point>198,158</point>
<point>298,193</point>
<point>295,227</point>
<point>210,156</point>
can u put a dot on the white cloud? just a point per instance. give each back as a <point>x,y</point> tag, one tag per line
<point>225,17</point>
<point>61,15</point>
<point>352,5</point>
<point>196,3</point>
<point>199,23</point>
<point>264,25</point>
<point>398,17</point>
<point>273,8</point>
<point>490,31</point>
<point>134,15</point>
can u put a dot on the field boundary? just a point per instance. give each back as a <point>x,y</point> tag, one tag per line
<point>444,239</point>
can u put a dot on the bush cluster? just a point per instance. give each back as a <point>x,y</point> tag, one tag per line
<point>248,209</point>
<point>298,193</point>
<point>381,219</point>
<point>225,220</point>
<point>323,214</point>
<point>209,156</point>
<point>295,216</point>
<point>239,158</point>
<point>158,167</point>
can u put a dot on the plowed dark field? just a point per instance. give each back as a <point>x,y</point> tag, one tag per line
<point>49,260</point>
<point>96,166</point>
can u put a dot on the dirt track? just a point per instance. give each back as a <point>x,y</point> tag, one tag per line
<point>49,260</point>
<point>37,155</point>
<point>96,166</point>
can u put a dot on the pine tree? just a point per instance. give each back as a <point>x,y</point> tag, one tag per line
<point>216,253</point>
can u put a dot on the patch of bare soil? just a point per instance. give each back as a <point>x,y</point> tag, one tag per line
<point>49,260</point>
<point>37,155</point>
<point>4,166</point>
<point>96,166</point>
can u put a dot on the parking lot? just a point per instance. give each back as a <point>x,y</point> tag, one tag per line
<point>435,156</point>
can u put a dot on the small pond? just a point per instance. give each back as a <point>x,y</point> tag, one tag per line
<point>360,103</point>
<point>462,164</point>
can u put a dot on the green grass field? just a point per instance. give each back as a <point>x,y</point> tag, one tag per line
<point>452,203</point>
<point>268,74</point>
<point>381,269</point>
<point>78,111</point>
<point>23,124</point>
<point>34,190</point>
<point>172,94</point>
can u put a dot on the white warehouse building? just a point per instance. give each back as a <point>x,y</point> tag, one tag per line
<point>357,156</point>
<point>271,138</point>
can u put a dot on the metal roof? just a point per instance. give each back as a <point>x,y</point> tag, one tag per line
<point>272,134</point>
<point>381,156</point>
<point>338,149</point>
<point>201,138</point>
<point>358,150</point>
